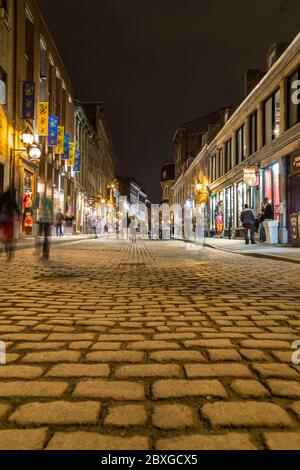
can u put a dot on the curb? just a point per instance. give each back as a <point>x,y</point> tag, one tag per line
<point>254,255</point>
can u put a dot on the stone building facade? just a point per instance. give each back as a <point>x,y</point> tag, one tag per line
<point>254,154</point>
<point>28,54</point>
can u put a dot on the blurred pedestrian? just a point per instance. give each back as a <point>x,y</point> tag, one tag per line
<point>8,211</point>
<point>59,218</point>
<point>45,222</point>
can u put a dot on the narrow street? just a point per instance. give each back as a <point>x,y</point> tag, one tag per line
<point>148,346</point>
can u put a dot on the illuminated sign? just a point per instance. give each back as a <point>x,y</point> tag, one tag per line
<point>250,176</point>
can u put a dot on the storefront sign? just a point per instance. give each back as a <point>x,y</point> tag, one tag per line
<point>59,149</point>
<point>28,100</point>
<point>71,160</point>
<point>296,164</point>
<point>43,115</point>
<point>53,131</point>
<point>77,162</point>
<point>250,176</point>
<point>66,153</point>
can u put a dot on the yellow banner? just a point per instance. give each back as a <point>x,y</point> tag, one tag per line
<point>71,160</point>
<point>59,149</point>
<point>43,115</point>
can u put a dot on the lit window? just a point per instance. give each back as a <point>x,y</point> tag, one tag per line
<point>3,86</point>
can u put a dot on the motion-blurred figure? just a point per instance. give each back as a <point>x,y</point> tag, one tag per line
<point>8,210</point>
<point>45,220</point>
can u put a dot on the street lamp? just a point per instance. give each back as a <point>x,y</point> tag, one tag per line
<point>31,147</point>
<point>27,137</point>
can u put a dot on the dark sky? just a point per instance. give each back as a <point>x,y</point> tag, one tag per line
<point>159,63</point>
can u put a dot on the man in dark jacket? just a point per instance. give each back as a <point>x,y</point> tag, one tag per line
<point>268,213</point>
<point>247,219</point>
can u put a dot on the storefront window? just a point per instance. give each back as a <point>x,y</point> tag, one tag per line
<point>229,204</point>
<point>213,206</point>
<point>271,187</point>
<point>28,203</point>
<point>241,200</point>
<point>276,192</point>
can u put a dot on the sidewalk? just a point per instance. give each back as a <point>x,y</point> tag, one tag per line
<point>261,250</point>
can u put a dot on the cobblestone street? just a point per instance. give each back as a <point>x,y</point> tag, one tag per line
<point>148,346</point>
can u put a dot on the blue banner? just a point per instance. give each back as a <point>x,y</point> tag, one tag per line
<point>28,100</point>
<point>53,131</point>
<point>77,162</point>
<point>67,141</point>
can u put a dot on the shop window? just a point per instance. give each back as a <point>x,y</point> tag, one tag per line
<point>293,85</point>
<point>228,156</point>
<point>241,200</point>
<point>253,134</point>
<point>229,204</point>
<point>213,168</point>
<point>272,188</point>
<point>28,203</point>
<point>43,71</point>
<point>220,163</point>
<point>3,86</point>
<point>240,145</point>
<point>29,45</point>
<point>271,112</point>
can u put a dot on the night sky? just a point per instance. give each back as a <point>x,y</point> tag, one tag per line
<point>159,63</point>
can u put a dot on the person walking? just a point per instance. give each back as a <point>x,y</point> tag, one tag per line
<point>8,210</point>
<point>59,218</point>
<point>45,222</point>
<point>247,219</point>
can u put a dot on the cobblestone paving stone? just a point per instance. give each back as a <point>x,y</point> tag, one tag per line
<point>112,345</point>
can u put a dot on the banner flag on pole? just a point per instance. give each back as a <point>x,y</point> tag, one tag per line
<point>71,160</point>
<point>53,131</point>
<point>28,100</point>
<point>66,153</point>
<point>59,149</point>
<point>77,162</point>
<point>43,115</point>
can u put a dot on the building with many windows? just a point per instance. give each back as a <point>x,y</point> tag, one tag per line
<point>254,154</point>
<point>35,89</point>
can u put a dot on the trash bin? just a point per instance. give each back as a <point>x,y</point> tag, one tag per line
<point>271,228</point>
<point>295,229</point>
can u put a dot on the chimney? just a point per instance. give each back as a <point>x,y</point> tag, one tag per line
<point>274,53</point>
<point>252,78</point>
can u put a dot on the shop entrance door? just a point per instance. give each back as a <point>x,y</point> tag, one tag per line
<point>295,194</point>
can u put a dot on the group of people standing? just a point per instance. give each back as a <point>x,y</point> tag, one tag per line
<point>254,224</point>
